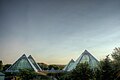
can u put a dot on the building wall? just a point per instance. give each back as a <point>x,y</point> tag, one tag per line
<point>2,77</point>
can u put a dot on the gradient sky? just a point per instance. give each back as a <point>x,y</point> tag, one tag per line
<point>54,31</point>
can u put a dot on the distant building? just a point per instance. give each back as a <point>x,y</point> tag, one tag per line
<point>84,57</point>
<point>24,62</point>
<point>2,76</point>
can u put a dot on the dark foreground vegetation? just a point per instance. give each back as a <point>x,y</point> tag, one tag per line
<point>107,69</point>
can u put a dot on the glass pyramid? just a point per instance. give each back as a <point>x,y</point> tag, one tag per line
<point>34,63</point>
<point>22,63</point>
<point>68,65</point>
<point>85,57</point>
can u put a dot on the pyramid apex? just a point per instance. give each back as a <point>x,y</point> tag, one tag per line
<point>72,60</point>
<point>24,55</point>
<point>86,51</point>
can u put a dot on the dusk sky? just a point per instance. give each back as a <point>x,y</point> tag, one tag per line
<point>55,31</point>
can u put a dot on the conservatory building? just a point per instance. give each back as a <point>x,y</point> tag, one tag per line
<point>24,62</point>
<point>84,57</point>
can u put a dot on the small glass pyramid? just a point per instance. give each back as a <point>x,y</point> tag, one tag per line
<point>23,63</point>
<point>68,65</point>
<point>34,63</point>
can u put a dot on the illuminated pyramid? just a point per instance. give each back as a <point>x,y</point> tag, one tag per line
<point>23,63</point>
<point>85,57</point>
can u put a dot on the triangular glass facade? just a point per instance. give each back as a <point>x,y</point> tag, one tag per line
<point>22,63</point>
<point>34,63</point>
<point>85,57</point>
<point>68,65</point>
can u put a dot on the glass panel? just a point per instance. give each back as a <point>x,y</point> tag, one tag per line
<point>21,64</point>
<point>85,58</point>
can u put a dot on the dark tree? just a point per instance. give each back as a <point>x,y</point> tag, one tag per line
<point>116,62</point>
<point>116,54</point>
<point>5,67</point>
<point>1,65</point>
<point>53,66</point>
<point>43,66</point>
<point>82,72</point>
<point>106,69</point>
<point>27,74</point>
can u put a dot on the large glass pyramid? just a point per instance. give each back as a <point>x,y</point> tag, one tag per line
<point>85,57</point>
<point>68,65</point>
<point>22,63</point>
